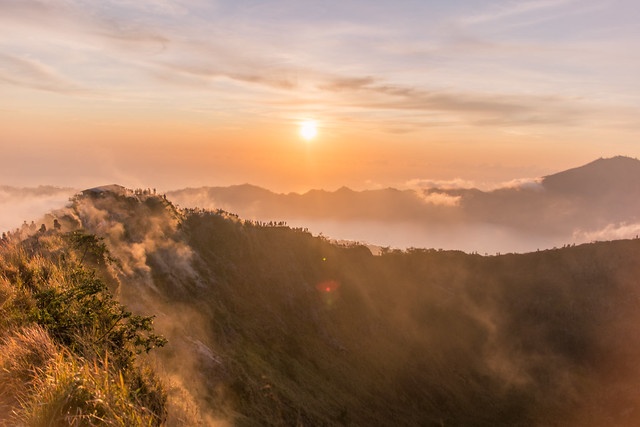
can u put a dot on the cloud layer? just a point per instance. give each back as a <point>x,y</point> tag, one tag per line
<point>400,88</point>
<point>29,204</point>
<point>148,45</point>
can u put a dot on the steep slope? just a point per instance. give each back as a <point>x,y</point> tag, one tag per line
<point>269,325</point>
<point>69,353</point>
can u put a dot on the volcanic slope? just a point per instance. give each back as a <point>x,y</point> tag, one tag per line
<point>269,325</point>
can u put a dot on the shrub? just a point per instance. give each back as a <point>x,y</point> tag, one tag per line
<point>69,350</point>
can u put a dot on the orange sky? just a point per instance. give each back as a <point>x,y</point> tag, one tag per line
<point>175,93</point>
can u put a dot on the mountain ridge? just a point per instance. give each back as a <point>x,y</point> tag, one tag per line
<point>603,165</point>
<point>270,325</point>
<point>595,200</point>
<point>303,331</point>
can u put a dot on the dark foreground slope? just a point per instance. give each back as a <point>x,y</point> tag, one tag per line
<point>272,326</point>
<point>320,334</point>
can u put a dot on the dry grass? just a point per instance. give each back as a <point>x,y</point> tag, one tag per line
<point>22,354</point>
<point>70,392</point>
<point>45,377</point>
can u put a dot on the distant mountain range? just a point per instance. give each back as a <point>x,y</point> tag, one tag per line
<point>597,201</point>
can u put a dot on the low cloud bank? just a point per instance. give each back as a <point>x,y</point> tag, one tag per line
<point>438,199</point>
<point>29,204</point>
<point>610,232</point>
<point>452,184</point>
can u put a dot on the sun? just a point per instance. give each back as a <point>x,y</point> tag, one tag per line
<point>308,129</point>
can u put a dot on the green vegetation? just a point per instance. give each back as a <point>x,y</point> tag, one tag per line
<point>312,333</point>
<point>68,350</point>
<point>272,326</point>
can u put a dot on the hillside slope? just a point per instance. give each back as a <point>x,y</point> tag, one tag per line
<point>69,353</point>
<point>269,325</point>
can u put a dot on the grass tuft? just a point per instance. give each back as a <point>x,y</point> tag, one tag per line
<point>76,393</point>
<point>69,352</point>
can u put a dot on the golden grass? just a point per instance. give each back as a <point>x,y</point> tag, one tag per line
<point>22,354</point>
<point>45,381</point>
<point>75,393</point>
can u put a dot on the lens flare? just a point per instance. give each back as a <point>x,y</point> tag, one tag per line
<point>328,286</point>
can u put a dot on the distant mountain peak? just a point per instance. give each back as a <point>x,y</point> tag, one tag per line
<point>617,159</point>
<point>344,190</point>
<point>604,174</point>
<point>605,163</point>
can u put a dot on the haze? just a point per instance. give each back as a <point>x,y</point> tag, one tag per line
<point>596,201</point>
<point>200,129</point>
<point>171,93</point>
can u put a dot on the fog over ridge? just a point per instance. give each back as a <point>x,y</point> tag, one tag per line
<point>27,204</point>
<point>570,207</point>
<point>263,315</point>
<point>597,201</point>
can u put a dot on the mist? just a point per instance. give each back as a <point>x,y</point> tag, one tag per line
<point>396,286</point>
<point>485,239</point>
<point>268,324</point>
<point>28,204</point>
<point>597,201</point>
<point>152,272</point>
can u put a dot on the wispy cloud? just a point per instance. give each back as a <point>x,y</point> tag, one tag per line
<point>610,232</point>
<point>421,185</point>
<point>162,47</point>
<point>438,199</point>
<point>468,107</point>
<point>534,184</point>
<point>171,8</point>
<point>451,184</point>
<point>35,75</point>
<point>339,84</point>
<point>516,9</point>
<point>238,71</point>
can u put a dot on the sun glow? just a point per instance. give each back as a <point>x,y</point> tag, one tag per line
<point>308,130</point>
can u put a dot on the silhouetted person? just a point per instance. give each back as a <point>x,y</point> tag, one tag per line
<point>43,228</point>
<point>56,224</point>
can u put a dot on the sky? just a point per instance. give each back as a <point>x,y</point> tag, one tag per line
<point>177,93</point>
